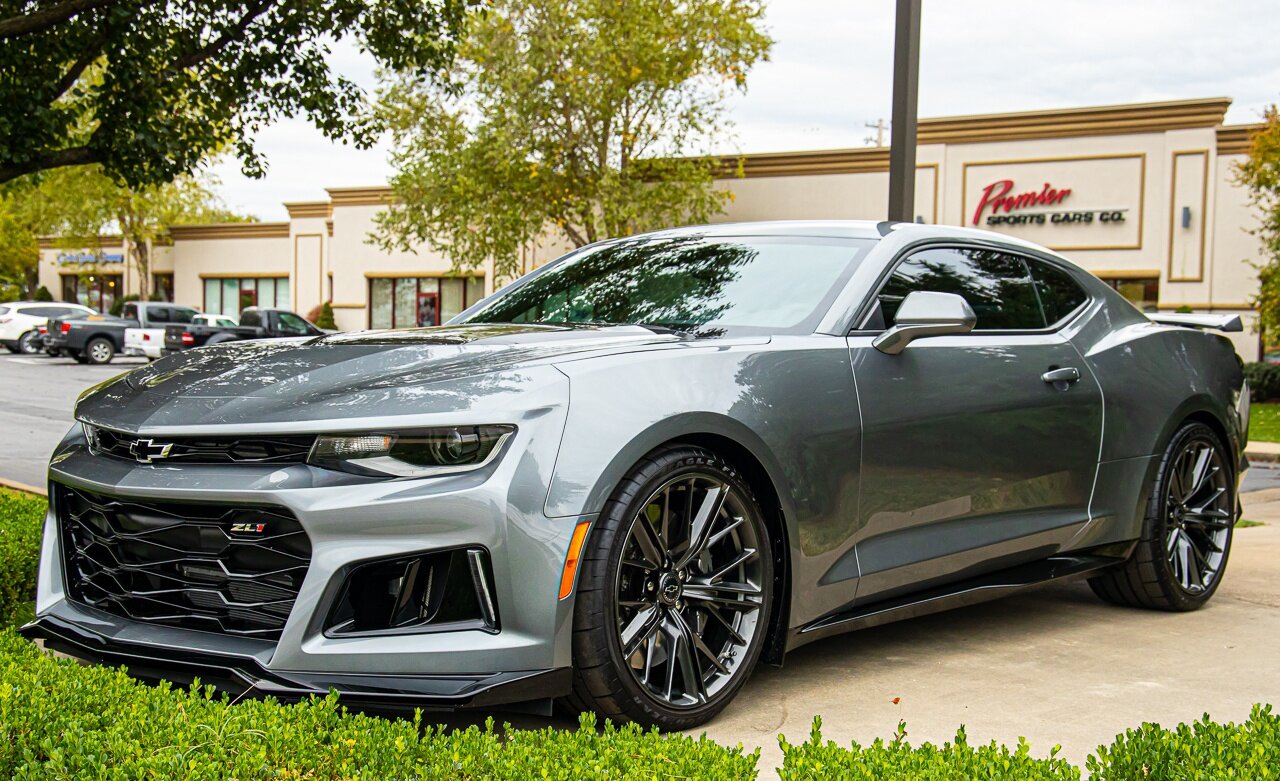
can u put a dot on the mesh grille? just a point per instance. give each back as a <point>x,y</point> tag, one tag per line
<point>229,569</point>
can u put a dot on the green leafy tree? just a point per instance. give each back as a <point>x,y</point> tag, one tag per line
<point>1260,172</point>
<point>150,88</point>
<point>579,119</point>
<point>142,216</point>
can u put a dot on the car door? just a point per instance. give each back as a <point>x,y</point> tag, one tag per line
<point>974,458</point>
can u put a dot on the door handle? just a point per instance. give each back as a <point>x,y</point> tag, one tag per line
<point>1065,375</point>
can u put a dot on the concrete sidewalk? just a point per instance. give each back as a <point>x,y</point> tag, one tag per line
<point>1263,452</point>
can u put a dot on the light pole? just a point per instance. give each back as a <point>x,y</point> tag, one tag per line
<point>902,136</point>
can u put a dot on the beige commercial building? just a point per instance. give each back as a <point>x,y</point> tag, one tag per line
<point>1142,195</point>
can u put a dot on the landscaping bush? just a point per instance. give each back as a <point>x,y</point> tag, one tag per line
<point>61,720</point>
<point>897,759</point>
<point>1264,381</point>
<point>1201,750</point>
<point>21,522</point>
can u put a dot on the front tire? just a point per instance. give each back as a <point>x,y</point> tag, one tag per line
<point>674,593</point>
<point>1186,535</point>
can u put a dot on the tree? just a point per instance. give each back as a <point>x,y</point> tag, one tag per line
<point>142,216</point>
<point>1260,172</point>
<point>582,118</point>
<point>149,88</point>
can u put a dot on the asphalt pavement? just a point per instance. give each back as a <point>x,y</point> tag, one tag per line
<point>37,394</point>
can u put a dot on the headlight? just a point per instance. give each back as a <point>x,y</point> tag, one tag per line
<point>423,453</point>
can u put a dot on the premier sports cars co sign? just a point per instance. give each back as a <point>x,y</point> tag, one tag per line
<point>999,205</point>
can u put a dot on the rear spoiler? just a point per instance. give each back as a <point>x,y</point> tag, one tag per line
<point>1230,323</point>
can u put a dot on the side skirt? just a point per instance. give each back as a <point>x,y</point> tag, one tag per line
<point>1025,577</point>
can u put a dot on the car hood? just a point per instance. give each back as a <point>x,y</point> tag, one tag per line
<point>371,373</point>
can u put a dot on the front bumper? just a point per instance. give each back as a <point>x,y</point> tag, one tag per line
<point>350,521</point>
<point>68,631</point>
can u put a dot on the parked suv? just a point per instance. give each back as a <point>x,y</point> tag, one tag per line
<point>20,322</point>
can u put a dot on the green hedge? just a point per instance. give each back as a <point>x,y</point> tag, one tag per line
<point>1264,381</point>
<point>896,759</point>
<point>61,720</point>
<point>21,522</point>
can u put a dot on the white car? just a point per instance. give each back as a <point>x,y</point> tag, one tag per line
<point>20,322</point>
<point>149,342</point>
<point>219,321</point>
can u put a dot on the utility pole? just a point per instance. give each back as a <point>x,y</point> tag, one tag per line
<point>880,126</point>
<point>902,133</point>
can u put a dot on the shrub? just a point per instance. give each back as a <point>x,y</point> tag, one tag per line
<point>61,720</point>
<point>325,318</point>
<point>21,522</point>
<point>42,294</point>
<point>1264,381</point>
<point>897,759</point>
<point>1201,750</point>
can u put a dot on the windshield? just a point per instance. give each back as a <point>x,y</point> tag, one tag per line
<point>707,286</point>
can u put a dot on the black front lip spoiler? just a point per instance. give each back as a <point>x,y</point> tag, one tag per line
<point>239,675</point>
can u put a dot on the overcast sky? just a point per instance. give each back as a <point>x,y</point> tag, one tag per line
<point>830,73</point>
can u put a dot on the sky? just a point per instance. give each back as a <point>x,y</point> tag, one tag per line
<point>830,73</point>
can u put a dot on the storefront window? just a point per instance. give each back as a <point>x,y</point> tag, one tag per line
<point>98,291</point>
<point>162,287</point>
<point>1143,292</point>
<point>229,296</point>
<point>408,302</point>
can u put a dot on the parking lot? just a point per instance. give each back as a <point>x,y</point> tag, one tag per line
<point>37,394</point>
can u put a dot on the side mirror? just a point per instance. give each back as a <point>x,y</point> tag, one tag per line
<point>926,314</point>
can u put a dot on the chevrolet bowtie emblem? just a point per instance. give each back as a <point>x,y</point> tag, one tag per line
<point>148,450</point>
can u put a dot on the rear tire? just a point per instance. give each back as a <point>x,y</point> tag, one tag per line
<point>28,343</point>
<point>1181,557</point>
<point>99,351</point>
<point>663,637</point>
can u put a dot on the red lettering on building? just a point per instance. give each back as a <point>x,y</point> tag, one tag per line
<point>996,197</point>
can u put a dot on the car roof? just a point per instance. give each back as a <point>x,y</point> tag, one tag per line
<point>850,229</point>
<point>43,303</point>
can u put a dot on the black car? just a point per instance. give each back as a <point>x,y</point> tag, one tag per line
<point>255,323</point>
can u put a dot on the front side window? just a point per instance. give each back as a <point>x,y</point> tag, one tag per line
<point>997,286</point>
<point>289,323</point>
<point>703,285</point>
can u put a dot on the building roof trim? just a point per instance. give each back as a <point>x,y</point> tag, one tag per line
<point>378,195</point>
<point>231,230</point>
<point>305,209</point>
<point>1235,139</point>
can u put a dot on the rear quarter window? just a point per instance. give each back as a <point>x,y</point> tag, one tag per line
<point>1060,295</point>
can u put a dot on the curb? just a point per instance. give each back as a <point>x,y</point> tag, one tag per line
<point>14,485</point>
<point>1262,458</point>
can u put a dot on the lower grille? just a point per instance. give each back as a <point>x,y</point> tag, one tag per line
<point>218,568</point>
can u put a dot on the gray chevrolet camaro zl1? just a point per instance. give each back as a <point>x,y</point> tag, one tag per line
<point>628,478</point>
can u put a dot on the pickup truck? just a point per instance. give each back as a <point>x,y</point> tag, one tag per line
<point>147,339</point>
<point>255,323</point>
<point>98,338</point>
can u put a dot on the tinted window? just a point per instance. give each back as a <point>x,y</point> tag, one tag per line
<point>292,324</point>
<point>251,317</point>
<point>181,315</point>
<point>699,284</point>
<point>41,311</point>
<point>158,314</point>
<point>996,285</point>
<point>4,310</point>
<point>130,312</point>
<point>1059,293</point>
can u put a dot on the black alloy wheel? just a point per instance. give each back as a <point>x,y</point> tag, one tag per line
<point>675,593</point>
<point>1179,562</point>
